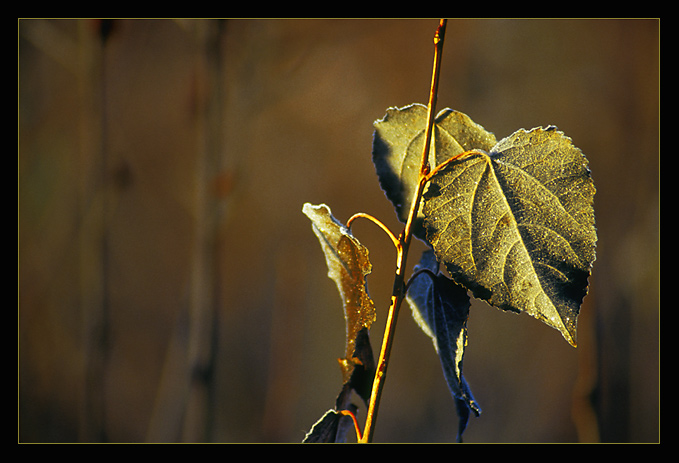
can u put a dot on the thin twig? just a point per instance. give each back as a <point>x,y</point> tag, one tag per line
<point>398,293</point>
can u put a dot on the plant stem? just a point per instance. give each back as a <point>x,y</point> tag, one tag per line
<point>398,293</point>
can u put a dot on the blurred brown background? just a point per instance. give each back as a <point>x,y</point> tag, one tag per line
<point>171,290</point>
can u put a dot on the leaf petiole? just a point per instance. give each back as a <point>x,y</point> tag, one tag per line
<point>356,426</point>
<point>394,239</point>
<point>412,278</point>
<point>457,157</point>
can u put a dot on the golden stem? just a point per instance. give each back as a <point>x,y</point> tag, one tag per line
<point>398,293</point>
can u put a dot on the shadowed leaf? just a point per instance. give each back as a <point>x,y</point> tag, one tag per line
<point>332,427</point>
<point>516,226</point>
<point>441,308</point>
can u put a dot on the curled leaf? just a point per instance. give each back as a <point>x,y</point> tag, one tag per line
<point>331,428</point>
<point>441,308</point>
<point>348,266</point>
<point>516,225</point>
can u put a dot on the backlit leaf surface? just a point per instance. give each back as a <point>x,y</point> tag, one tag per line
<point>348,266</point>
<point>398,141</point>
<point>516,225</point>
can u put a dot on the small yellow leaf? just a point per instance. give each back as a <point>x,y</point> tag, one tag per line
<point>348,266</point>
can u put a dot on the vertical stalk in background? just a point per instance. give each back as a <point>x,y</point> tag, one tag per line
<point>399,280</point>
<point>93,232</point>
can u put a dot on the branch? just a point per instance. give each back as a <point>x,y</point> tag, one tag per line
<point>398,293</point>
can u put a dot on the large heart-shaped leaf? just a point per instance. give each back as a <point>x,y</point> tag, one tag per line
<point>516,225</point>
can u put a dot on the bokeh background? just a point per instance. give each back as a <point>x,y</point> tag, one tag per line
<point>171,290</point>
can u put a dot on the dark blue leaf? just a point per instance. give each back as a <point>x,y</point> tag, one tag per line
<point>441,308</point>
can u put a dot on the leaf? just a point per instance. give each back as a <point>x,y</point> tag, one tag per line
<point>441,308</point>
<point>516,226</point>
<point>332,427</point>
<point>348,266</point>
<point>398,142</point>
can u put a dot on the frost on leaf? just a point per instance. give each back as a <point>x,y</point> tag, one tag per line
<point>441,308</point>
<point>398,142</point>
<point>516,225</point>
<point>348,266</point>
